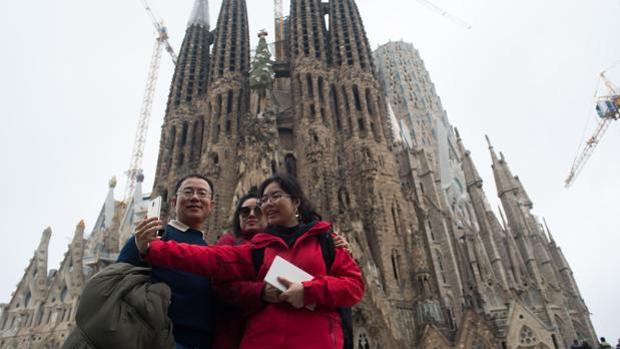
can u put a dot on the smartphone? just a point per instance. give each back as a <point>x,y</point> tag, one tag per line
<point>154,209</point>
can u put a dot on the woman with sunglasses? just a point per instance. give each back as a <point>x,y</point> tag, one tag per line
<point>293,233</point>
<point>239,299</point>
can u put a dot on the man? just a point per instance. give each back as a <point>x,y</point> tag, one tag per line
<point>192,306</point>
<point>575,345</point>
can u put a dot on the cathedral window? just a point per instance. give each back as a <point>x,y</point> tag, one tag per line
<point>196,146</point>
<point>219,105</point>
<point>229,103</point>
<point>334,105</point>
<point>184,134</point>
<point>527,336</point>
<point>290,163</point>
<point>309,83</point>
<point>396,264</point>
<point>27,298</point>
<point>321,97</point>
<point>356,96</point>
<point>215,159</point>
<point>228,127</point>
<point>369,102</point>
<point>360,125</point>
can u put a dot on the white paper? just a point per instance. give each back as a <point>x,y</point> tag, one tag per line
<point>282,267</point>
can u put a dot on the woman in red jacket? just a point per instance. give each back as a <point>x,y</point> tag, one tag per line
<point>239,299</point>
<point>293,234</point>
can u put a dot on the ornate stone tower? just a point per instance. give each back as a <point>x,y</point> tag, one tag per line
<point>184,123</point>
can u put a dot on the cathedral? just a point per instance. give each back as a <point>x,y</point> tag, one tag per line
<point>366,135</point>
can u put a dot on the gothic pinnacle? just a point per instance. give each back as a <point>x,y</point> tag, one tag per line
<point>112,183</point>
<point>488,141</point>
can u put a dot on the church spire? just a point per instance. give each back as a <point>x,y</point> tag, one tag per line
<point>504,180</point>
<point>231,48</point>
<point>190,74</point>
<point>308,30</point>
<point>348,37</point>
<point>39,281</point>
<point>472,177</point>
<point>200,14</point>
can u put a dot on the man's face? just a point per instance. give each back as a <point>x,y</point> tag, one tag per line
<point>193,202</point>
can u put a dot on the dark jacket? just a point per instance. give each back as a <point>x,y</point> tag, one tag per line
<point>192,306</point>
<point>121,309</point>
<point>278,326</point>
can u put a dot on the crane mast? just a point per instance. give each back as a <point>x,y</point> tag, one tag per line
<point>278,13</point>
<point>608,109</point>
<point>137,154</point>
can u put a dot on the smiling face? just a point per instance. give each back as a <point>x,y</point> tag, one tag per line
<point>251,218</point>
<point>193,202</point>
<point>278,206</point>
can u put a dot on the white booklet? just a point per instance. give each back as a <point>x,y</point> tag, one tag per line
<point>282,267</point>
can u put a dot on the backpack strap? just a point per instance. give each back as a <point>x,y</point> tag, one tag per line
<point>328,249</point>
<point>258,255</point>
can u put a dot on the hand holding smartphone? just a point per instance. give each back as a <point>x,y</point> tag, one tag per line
<point>154,210</point>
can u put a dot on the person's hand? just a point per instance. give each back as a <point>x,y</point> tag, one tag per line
<point>294,293</point>
<point>271,294</point>
<point>340,241</point>
<point>146,231</point>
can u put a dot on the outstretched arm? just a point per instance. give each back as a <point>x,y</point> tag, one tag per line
<point>221,263</point>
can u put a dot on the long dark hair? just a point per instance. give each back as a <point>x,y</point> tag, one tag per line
<point>236,221</point>
<point>291,186</point>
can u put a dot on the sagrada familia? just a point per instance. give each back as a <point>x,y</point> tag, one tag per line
<point>366,135</point>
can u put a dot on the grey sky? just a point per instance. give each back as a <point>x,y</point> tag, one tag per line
<point>73,74</point>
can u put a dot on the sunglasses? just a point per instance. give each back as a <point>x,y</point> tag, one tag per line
<point>244,212</point>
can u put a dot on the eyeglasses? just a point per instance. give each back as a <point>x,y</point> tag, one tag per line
<point>244,212</point>
<point>189,192</point>
<point>272,197</point>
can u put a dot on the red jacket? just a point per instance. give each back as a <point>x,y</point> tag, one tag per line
<point>278,325</point>
<point>237,300</point>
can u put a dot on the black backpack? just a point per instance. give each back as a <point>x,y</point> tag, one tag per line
<point>329,254</point>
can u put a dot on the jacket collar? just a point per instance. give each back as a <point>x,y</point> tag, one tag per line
<point>262,239</point>
<point>181,226</point>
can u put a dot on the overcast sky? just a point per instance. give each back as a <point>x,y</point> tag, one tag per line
<point>72,76</point>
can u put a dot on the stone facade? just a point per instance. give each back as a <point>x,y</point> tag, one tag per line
<point>370,142</point>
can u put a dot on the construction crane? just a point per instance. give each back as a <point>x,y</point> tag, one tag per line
<point>445,13</point>
<point>137,154</point>
<point>278,14</point>
<point>608,110</point>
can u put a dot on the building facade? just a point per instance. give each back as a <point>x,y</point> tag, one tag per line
<point>367,137</point>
